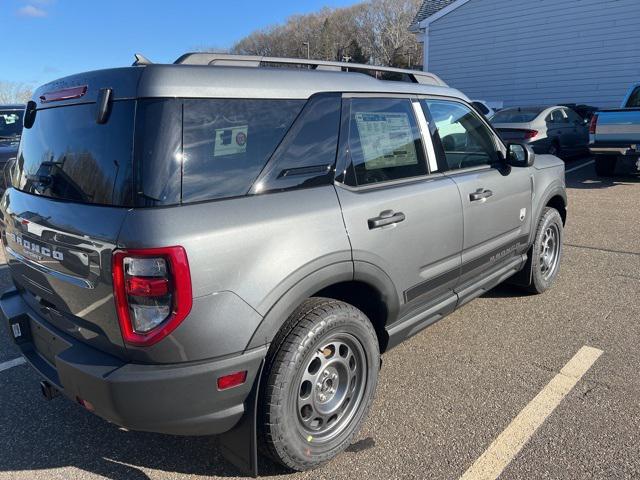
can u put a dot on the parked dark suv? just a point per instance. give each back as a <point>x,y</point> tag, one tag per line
<point>228,245</point>
<point>10,131</point>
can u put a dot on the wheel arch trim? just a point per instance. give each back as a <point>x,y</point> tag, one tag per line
<point>318,280</point>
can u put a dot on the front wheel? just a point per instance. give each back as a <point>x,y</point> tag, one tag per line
<point>319,383</point>
<point>546,251</point>
<point>605,165</point>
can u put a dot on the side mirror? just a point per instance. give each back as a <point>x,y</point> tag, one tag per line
<point>520,155</point>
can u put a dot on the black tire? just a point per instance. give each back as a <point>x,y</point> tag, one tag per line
<point>606,165</point>
<point>342,339</point>
<point>543,270</point>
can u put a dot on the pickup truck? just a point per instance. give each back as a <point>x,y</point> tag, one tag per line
<point>614,135</point>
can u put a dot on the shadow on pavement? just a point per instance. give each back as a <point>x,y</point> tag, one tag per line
<point>589,180</point>
<point>41,435</point>
<point>505,290</point>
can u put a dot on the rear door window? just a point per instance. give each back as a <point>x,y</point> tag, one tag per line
<point>384,140</point>
<point>226,143</point>
<point>67,155</point>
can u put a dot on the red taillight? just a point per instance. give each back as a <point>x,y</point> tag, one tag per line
<point>152,290</point>
<point>64,94</point>
<point>232,380</point>
<point>593,124</point>
<point>147,287</point>
<point>530,134</point>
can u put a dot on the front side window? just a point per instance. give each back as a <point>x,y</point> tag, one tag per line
<point>228,142</point>
<point>466,140</point>
<point>384,140</point>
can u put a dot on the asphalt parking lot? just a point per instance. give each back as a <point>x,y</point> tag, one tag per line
<point>444,396</point>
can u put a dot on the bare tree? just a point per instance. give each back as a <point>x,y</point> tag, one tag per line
<point>14,92</point>
<point>375,31</point>
<point>383,31</point>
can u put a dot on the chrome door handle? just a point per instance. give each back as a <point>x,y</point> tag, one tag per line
<point>480,194</point>
<point>388,217</point>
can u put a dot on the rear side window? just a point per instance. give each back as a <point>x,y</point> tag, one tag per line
<point>307,155</point>
<point>158,152</point>
<point>228,142</point>
<point>516,115</point>
<point>384,140</point>
<point>66,155</point>
<point>634,99</point>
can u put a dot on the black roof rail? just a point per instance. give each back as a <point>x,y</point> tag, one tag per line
<point>225,59</point>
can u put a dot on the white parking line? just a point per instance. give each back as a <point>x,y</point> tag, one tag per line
<point>12,363</point>
<point>504,448</point>
<point>586,164</point>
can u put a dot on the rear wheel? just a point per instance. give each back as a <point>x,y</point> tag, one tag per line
<point>605,165</point>
<point>319,384</point>
<point>546,252</point>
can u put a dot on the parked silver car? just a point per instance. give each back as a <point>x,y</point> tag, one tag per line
<point>555,130</point>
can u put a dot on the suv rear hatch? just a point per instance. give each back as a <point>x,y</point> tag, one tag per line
<point>71,185</point>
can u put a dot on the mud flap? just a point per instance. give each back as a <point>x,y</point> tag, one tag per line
<point>240,444</point>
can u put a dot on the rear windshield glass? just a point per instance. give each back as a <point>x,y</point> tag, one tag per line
<point>68,156</point>
<point>228,142</point>
<point>158,152</point>
<point>10,123</point>
<point>515,116</point>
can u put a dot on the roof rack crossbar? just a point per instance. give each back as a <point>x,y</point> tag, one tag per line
<point>225,59</point>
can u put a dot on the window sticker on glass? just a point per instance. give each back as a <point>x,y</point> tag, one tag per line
<point>231,141</point>
<point>386,139</point>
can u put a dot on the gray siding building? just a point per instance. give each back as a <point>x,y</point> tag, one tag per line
<point>533,52</point>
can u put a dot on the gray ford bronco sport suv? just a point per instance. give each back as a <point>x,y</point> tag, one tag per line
<point>226,245</point>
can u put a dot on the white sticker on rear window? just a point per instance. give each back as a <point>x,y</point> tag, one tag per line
<point>231,141</point>
<point>386,139</point>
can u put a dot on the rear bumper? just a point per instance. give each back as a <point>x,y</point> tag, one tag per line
<point>180,399</point>
<point>621,150</point>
